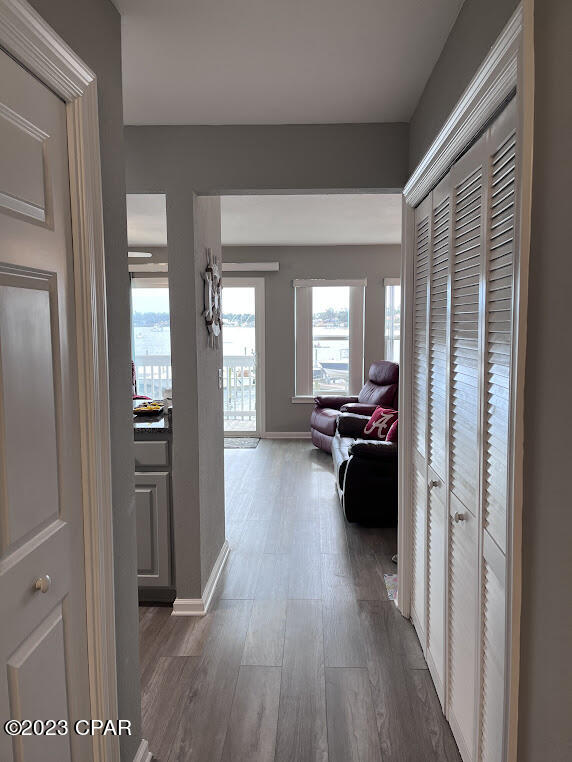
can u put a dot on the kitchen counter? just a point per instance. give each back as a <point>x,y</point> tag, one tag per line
<point>150,425</point>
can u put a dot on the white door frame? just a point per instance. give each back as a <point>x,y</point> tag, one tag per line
<point>260,337</point>
<point>508,67</point>
<point>34,44</point>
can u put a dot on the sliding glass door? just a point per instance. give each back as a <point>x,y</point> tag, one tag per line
<point>243,347</point>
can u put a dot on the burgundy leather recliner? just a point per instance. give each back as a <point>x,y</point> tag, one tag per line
<point>380,389</point>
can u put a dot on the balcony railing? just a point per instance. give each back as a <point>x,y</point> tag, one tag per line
<point>239,390</point>
<point>153,374</point>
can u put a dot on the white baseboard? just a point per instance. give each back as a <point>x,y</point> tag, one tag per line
<point>286,435</point>
<point>143,754</point>
<point>199,606</point>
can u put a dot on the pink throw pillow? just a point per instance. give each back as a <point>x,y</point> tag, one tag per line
<point>380,423</point>
<point>392,433</point>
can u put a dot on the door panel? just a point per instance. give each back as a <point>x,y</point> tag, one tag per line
<point>153,529</point>
<point>436,564</point>
<point>420,335</point>
<point>43,640</point>
<point>27,385</point>
<point>422,264</point>
<point>462,624</point>
<point>418,545</point>
<point>40,661</point>
<point>438,329</point>
<point>467,185</point>
<point>499,317</point>
<point>22,167</point>
<point>493,607</point>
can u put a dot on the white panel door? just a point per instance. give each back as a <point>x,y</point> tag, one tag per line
<point>422,260</point>
<point>43,649</point>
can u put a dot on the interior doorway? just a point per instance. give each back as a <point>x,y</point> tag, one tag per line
<point>243,356</point>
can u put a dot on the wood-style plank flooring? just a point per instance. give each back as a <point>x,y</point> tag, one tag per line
<point>302,657</point>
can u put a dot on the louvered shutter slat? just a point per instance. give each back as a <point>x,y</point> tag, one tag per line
<point>500,265</point>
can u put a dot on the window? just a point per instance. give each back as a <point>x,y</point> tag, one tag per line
<point>392,318</point>
<point>151,336</point>
<point>329,336</point>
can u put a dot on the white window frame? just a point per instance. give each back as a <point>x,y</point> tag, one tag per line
<point>389,283</point>
<point>303,380</point>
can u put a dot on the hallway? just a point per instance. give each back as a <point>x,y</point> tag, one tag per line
<point>301,657</point>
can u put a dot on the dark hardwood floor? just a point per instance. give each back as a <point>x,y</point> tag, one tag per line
<point>302,657</point>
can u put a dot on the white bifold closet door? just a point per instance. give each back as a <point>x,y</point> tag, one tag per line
<point>464,268</point>
<point>419,415</point>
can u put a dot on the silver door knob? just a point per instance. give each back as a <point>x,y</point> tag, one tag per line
<point>458,517</point>
<point>434,483</point>
<point>43,583</point>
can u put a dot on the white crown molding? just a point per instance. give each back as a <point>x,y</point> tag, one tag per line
<point>493,83</point>
<point>200,606</point>
<point>143,754</point>
<point>35,45</point>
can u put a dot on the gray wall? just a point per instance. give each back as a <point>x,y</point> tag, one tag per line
<point>210,416</point>
<point>545,708</point>
<point>198,468</point>
<point>284,157</point>
<point>476,28</point>
<point>373,262</point>
<point>183,162</point>
<point>545,697</point>
<point>93,29</point>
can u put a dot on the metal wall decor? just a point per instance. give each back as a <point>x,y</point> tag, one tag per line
<point>212,314</point>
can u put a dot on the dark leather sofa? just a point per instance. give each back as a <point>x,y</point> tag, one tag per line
<point>365,472</point>
<point>380,389</point>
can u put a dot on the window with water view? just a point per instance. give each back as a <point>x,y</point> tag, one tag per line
<point>151,336</point>
<point>330,339</point>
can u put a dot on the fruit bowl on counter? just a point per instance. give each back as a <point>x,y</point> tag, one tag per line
<point>151,407</point>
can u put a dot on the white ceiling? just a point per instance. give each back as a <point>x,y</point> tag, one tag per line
<point>146,219</point>
<point>311,220</point>
<point>279,62</point>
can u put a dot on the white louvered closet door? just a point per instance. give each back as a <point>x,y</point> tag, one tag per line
<point>500,268</point>
<point>468,183</point>
<point>437,431</point>
<point>419,415</point>
<point>466,262</point>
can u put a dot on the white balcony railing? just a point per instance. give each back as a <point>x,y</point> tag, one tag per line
<point>239,388</point>
<point>153,374</point>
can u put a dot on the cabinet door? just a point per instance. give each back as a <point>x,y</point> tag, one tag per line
<point>153,532</point>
